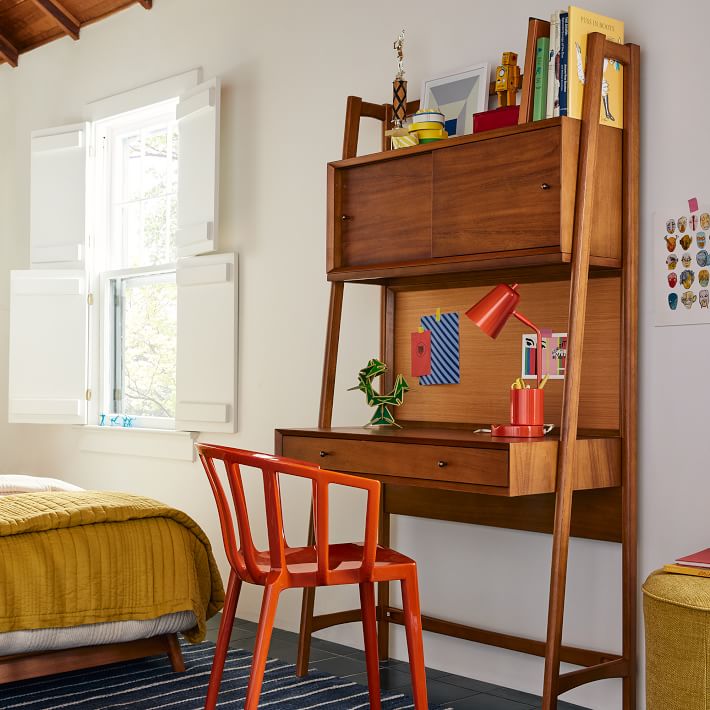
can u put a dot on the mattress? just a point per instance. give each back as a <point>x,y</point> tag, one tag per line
<point>54,639</point>
<point>109,567</point>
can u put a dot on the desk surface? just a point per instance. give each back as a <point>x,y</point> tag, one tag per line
<point>437,434</point>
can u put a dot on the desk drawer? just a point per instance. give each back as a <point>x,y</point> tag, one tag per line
<point>485,467</point>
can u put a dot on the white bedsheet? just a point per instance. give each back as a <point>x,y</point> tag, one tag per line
<point>17,483</point>
<point>93,634</point>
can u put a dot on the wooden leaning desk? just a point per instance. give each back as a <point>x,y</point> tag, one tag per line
<point>552,206</point>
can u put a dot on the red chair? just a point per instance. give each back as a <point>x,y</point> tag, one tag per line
<point>283,567</point>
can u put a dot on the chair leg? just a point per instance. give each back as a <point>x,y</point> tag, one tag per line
<point>269,603</point>
<point>415,643</point>
<point>229,611</point>
<point>369,628</point>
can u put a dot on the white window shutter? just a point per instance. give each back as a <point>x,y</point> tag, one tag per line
<point>198,169</point>
<point>48,347</point>
<point>207,343</point>
<point>58,172</point>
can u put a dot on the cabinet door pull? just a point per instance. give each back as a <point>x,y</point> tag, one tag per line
<point>323,454</point>
<point>545,186</point>
<point>441,464</point>
<point>345,217</point>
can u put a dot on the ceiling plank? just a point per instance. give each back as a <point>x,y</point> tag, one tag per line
<point>8,51</point>
<point>61,15</point>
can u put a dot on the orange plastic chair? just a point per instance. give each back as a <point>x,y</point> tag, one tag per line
<point>283,567</point>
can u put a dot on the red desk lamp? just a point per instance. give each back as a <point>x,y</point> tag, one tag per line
<point>491,314</point>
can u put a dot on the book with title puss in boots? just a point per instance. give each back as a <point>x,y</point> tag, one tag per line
<point>581,23</point>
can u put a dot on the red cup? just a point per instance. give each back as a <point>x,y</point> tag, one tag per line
<point>527,407</point>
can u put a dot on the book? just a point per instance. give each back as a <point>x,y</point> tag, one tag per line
<point>580,24</point>
<point>564,37</point>
<point>697,559</point>
<point>542,60</point>
<point>553,68</point>
<point>684,569</point>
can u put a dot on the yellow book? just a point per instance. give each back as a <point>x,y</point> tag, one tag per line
<point>581,23</point>
<point>682,569</point>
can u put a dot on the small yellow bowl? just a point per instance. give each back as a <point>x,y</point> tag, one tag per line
<point>426,126</point>
<point>438,133</point>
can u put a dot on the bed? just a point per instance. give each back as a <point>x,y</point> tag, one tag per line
<point>95,577</point>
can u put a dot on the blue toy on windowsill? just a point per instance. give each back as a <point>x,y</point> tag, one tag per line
<point>117,420</point>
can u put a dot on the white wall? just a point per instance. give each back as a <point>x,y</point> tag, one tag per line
<point>287,68</point>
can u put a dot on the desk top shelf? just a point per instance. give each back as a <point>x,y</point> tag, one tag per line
<point>502,199</point>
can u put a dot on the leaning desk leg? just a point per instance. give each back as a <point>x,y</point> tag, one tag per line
<point>383,588</point>
<point>307,606</point>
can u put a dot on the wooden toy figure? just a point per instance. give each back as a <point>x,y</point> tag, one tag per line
<point>508,79</point>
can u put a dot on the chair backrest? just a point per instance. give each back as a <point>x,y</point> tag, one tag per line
<point>357,109</point>
<point>243,556</point>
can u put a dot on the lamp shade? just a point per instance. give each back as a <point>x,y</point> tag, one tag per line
<point>491,313</point>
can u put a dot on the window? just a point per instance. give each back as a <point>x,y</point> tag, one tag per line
<point>135,261</point>
<point>125,310</point>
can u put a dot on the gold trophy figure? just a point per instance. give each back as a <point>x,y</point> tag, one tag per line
<point>399,134</point>
<point>399,85</point>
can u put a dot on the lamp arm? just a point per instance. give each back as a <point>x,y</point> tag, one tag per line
<point>538,349</point>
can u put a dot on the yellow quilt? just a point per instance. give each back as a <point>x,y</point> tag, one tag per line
<point>87,557</point>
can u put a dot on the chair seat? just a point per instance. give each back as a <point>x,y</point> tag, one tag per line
<point>345,561</point>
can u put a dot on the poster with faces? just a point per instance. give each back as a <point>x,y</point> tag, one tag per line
<point>682,267</point>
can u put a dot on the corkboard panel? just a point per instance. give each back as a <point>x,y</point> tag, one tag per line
<point>489,366</point>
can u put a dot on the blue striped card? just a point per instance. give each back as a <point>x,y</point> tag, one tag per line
<point>444,350</point>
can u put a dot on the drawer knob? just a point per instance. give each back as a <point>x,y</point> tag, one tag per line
<point>323,454</point>
<point>545,186</point>
<point>441,464</point>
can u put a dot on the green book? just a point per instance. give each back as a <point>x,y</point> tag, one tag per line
<point>542,60</point>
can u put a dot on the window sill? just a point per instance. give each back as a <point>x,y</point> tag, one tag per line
<point>146,443</point>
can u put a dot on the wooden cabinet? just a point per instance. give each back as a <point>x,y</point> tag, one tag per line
<point>540,205</point>
<point>498,199</point>
<point>499,195</point>
<point>373,227</point>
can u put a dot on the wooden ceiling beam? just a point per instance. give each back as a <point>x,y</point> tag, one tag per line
<point>147,4</point>
<point>61,15</point>
<point>8,51</point>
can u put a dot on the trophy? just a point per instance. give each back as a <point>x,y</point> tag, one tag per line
<point>399,85</point>
<point>399,135</point>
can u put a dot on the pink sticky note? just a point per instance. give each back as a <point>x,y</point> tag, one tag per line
<point>421,354</point>
<point>693,204</point>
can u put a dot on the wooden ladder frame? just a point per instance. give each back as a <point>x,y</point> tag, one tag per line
<point>595,666</point>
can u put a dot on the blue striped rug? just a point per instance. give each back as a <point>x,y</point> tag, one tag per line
<point>150,684</point>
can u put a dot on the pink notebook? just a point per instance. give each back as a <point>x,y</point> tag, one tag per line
<point>699,559</point>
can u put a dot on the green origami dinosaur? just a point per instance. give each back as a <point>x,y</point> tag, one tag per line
<point>382,415</point>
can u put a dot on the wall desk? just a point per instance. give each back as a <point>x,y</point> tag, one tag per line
<point>553,207</point>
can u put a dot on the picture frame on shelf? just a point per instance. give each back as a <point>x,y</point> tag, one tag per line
<point>458,95</point>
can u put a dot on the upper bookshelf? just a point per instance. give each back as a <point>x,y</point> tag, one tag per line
<point>501,199</point>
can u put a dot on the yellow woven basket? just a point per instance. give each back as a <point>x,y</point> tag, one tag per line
<point>676,610</point>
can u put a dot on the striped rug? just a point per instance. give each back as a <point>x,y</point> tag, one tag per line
<point>150,684</point>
